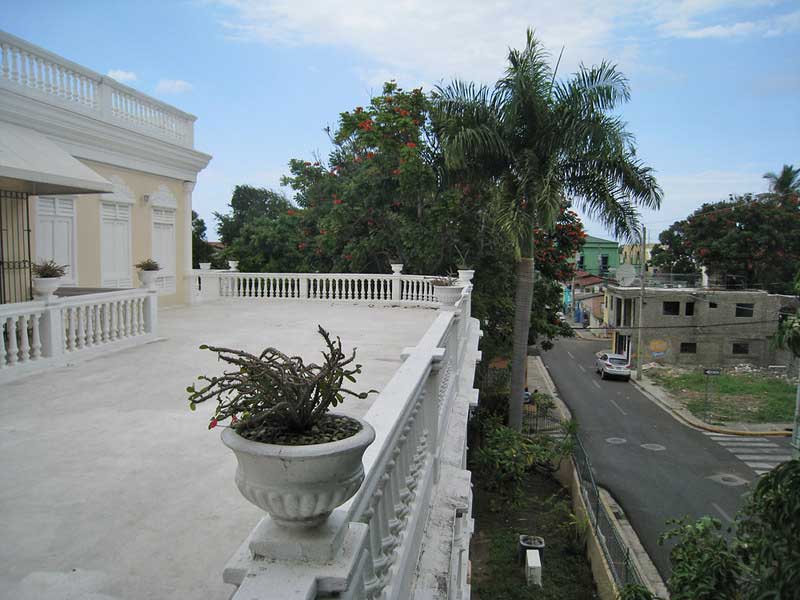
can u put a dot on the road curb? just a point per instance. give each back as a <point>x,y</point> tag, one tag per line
<point>698,424</point>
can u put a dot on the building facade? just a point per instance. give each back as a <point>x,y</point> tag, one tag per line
<point>599,256</point>
<point>138,151</point>
<point>698,326</point>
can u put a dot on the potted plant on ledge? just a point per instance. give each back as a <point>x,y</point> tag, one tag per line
<point>447,290</point>
<point>296,460</point>
<point>147,272</point>
<point>47,276</point>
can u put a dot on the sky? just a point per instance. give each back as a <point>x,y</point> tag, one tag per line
<point>715,83</point>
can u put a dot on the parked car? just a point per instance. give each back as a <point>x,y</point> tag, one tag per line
<point>612,365</point>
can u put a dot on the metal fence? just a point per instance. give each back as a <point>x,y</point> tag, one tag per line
<point>540,418</point>
<point>615,550</point>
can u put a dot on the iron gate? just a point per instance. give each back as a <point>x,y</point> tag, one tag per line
<point>15,247</point>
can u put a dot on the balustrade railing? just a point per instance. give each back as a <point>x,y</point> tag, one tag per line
<point>42,334</point>
<point>402,466</point>
<point>38,73</point>
<point>355,287</point>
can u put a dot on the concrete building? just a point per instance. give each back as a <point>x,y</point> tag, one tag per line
<point>697,326</point>
<point>66,133</point>
<point>599,256</point>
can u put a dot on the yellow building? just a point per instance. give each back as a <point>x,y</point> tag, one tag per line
<point>65,132</point>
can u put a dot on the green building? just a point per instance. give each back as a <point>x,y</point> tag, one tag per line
<point>599,256</point>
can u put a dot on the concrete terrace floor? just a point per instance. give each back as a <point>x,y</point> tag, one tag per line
<point>110,486</point>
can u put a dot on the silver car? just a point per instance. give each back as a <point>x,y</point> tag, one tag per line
<point>612,365</point>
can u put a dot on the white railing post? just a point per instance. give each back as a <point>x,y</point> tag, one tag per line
<point>303,286</point>
<point>51,329</point>
<point>151,312</point>
<point>397,276</point>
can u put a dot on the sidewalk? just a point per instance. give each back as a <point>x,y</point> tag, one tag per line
<point>674,407</point>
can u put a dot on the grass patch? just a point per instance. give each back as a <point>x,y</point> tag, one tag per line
<point>736,397</point>
<point>544,510</point>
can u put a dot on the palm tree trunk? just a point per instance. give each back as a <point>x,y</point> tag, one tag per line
<point>523,302</point>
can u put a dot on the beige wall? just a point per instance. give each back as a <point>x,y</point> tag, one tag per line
<point>88,227</point>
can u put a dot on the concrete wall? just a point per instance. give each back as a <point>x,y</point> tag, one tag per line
<point>720,327</point>
<point>88,227</point>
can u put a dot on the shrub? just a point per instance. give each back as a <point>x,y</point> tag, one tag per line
<point>635,592</point>
<point>48,269</point>
<point>275,398</point>
<point>147,264</point>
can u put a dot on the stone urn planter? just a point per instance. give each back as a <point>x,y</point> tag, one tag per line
<point>466,275</point>
<point>299,486</point>
<point>448,295</point>
<point>205,266</point>
<point>45,287</point>
<point>397,267</point>
<point>148,279</point>
<point>233,265</point>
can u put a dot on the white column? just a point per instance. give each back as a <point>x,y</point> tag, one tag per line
<point>52,329</point>
<point>151,312</point>
<point>184,269</point>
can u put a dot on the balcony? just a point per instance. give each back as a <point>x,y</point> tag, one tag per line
<point>38,74</point>
<point>115,488</point>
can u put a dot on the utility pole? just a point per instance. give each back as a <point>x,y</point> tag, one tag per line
<point>641,307</point>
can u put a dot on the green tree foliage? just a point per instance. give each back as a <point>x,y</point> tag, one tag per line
<point>760,560</point>
<point>540,140</point>
<point>201,251</point>
<point>744,241</point>
<point>671,254</point>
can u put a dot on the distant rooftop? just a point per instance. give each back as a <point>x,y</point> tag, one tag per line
<point>590,239</point>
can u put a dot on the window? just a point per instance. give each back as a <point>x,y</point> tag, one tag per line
<point>671,308</point>
<point>712,305</point>
<point>55,234</point>
<point>164,248</point>
<point>580,262</point>
<point>744,310</point>
<point>741,348</point>
<point>688,347</point>
<point>115,244</point>
<point>690,309</point>
<point>603,263</point>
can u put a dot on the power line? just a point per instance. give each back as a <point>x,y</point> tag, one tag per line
<point>732,324</point>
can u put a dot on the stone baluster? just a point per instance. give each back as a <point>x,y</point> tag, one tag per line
<point>13,349</point>
<point>89,326</point>
<point>81,327</point>
<point>24,343</point>
<point>36,341</point>
<point>3,350</point>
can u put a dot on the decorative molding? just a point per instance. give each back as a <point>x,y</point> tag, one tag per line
<point>88,138</point>
<point>163,198</point>
<point>122,194</point>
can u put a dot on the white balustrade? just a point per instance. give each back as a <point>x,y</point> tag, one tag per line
<point>98,319</point>
<point>29,69</point>
<point>20,333</point>
<point>39,334</point>
<point>353,287</point>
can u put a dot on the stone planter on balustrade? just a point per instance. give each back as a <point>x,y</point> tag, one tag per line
<point>448,295</point>
<point>465,275</point>
<point>205,266</point>
<point>299,486</point>
<point>233,265</point>
<point>45,287</point>
<point>148,279</point>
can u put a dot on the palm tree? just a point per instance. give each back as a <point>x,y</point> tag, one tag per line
<point>542,140</point>
<point>786,183</point>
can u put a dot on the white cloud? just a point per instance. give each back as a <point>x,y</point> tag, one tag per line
<point>419,41</point>
<point>769,27</point>
<point>122,76</point>
<point>173,86</point>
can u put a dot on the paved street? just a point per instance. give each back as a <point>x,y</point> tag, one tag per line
<point>655,467</point>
